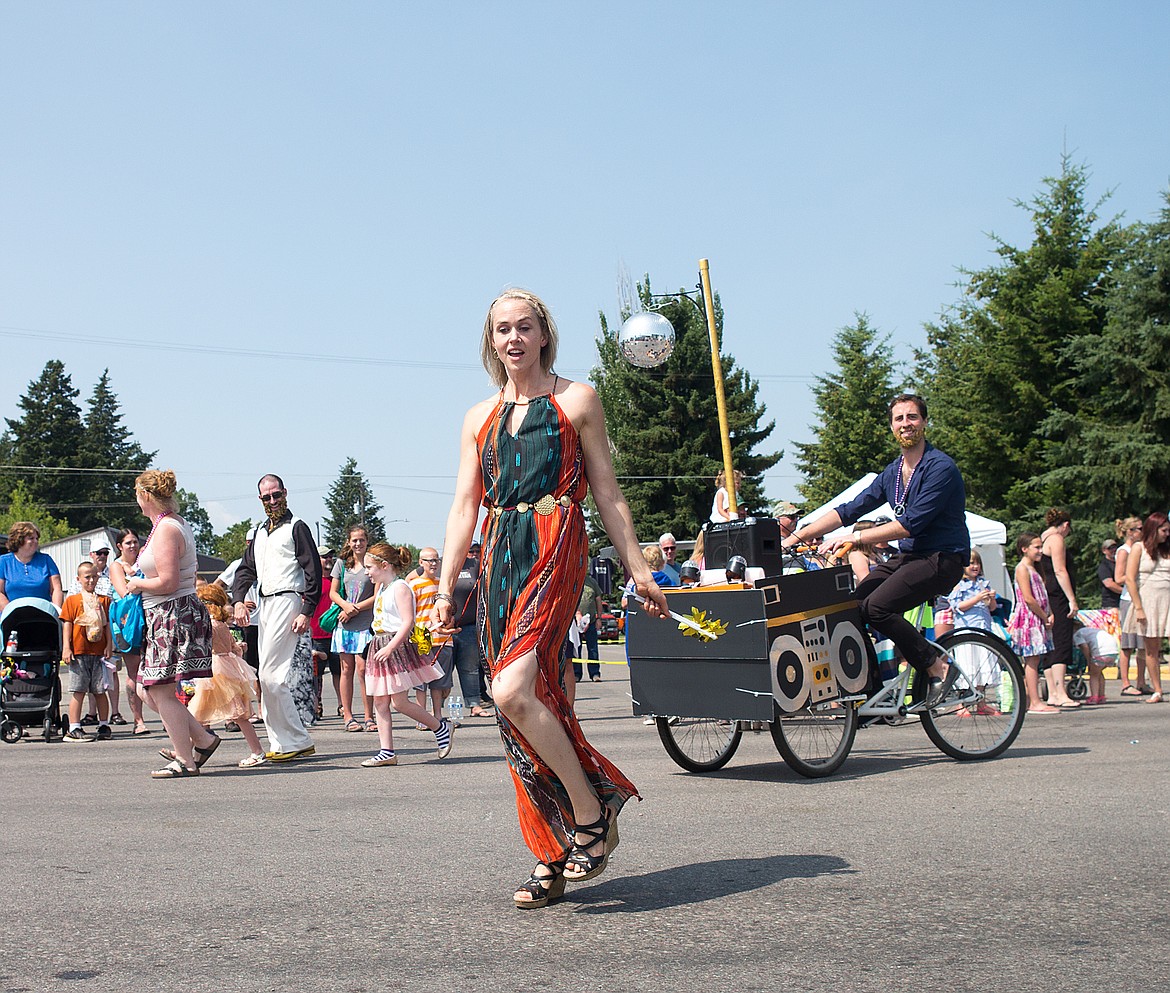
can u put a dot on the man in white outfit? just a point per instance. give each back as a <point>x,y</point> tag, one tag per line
<point>284,564</point>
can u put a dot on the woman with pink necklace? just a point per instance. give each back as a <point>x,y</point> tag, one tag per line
<point>176,644</point>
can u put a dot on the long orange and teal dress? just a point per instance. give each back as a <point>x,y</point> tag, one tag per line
<point>533,571</point>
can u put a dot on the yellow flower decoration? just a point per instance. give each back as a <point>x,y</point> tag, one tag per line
<point>710,629</point>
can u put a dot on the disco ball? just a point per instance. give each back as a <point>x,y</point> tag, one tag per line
<point>646,340</point>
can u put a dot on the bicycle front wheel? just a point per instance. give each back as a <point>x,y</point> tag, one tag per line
<point>699,744</point>
<point>986,709</point>
<point>814,743</point>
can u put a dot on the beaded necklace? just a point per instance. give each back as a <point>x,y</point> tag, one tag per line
<point>900,488</point>
<point>153,528</point>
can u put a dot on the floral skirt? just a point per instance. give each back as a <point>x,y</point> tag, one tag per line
<point>404,670</point>
<point>350,642</point>
<point>176,644</point>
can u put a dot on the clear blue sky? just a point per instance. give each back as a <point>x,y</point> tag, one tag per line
<point>186,188</point>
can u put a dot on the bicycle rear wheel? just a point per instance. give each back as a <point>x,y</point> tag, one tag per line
<point>814,743</point>
<point>986,710</point>
<point>699,744</point>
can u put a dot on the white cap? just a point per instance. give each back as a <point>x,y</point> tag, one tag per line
<point>100,542</point>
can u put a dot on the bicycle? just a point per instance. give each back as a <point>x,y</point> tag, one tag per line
<point>979,718</point>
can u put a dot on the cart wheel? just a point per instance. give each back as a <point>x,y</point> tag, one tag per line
<point>814,743</point>
<point>699,744</point>
<point>47,730</point>
<point>1078,687</point>
<point>10,732</point>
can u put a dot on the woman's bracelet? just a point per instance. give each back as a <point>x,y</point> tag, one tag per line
<point>445,596</point>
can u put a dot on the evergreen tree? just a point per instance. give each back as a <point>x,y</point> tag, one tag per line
<point>46,442</point>
<point>108,444</point>
<point>22,507</point>
<point>664,426</point>
<point>1112,453</point>
<point>999,366</point>
<point>351,501</point>
<point>854,434</point>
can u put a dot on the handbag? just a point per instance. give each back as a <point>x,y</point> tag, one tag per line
<point>329,620</point>
<point>127,622</point>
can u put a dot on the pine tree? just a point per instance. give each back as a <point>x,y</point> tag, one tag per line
<point>351,501</point>
<point>1112,448</point>
<point>664,427</point>
<point>999,365</point>
<point>45,443</point>
<point>854,434</point>
<point>109,445</point>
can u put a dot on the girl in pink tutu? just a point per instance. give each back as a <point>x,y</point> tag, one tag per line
<point>229,693</point>
<point>393,664</point>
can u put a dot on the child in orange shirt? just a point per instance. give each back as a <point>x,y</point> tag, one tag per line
<point>86,647</point>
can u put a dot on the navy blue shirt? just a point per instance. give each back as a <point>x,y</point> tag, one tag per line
<point>935,504</point>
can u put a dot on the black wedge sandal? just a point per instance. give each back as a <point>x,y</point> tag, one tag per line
<point>581,864</point>
<point>543,889</point>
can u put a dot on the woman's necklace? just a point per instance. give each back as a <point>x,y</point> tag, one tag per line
<point>901,488</point>
<point>153,528</point>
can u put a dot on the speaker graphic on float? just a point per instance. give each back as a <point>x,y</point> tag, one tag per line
<point>757,539</point>
<point>848,657</point>
<point>817,649</point>
<point>790,681</point>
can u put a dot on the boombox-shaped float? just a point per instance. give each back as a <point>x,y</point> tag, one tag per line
<point>798,640</point>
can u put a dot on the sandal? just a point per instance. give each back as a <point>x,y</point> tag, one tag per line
<point>543,888</point>
<point>174,770</point>
<point>353,725</point>
<point>1131,690</point>
<point>478,711</point>
<point>201,754</point>
<point>581,865</point>
<point>141,730</point>
<point>372,727</point>
<point>116,718</point>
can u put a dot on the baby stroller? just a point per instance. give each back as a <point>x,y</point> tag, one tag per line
<point>30,691</point>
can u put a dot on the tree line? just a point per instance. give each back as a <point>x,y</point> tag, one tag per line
<point>1046,379</point>
<point>71,470</point>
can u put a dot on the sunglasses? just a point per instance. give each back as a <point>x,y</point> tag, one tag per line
<point>428,560</point>
<point>667,548</point>
<point>101,551</point>
<point>271,497</point>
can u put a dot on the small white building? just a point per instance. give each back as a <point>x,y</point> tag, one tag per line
<point>70,552</point>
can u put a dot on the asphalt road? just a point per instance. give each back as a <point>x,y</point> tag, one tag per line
<point>1043,870</point>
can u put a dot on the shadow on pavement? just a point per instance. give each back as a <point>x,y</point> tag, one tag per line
<point>700,882</point>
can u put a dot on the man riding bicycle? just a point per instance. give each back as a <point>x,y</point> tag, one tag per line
<point>926,491</point>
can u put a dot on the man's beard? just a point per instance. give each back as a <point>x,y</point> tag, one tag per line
<point>276,509</point>
<point>911,439</point>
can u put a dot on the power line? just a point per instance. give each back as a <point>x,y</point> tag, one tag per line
<point>162,346</point>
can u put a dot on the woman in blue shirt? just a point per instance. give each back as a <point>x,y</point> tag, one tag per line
<point>27,571</point>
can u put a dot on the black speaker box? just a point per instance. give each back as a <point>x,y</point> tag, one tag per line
<point>757,539</point>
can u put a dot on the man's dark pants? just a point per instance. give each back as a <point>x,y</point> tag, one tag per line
<point>903,583</point>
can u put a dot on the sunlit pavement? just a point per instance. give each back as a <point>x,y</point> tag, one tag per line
<point>1041,870</point>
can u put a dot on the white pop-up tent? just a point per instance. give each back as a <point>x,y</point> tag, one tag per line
<point>988,537</point>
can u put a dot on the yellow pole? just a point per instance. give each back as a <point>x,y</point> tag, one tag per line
<point>720,396</point>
